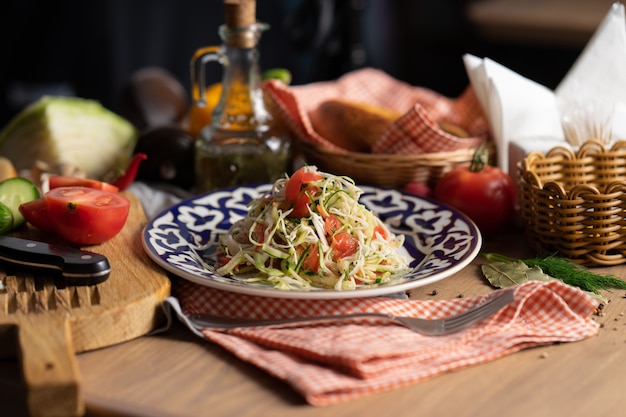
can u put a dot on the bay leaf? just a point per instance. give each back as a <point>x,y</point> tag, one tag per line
<point>506,274</point>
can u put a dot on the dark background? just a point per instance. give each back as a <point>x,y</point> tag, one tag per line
<point>91,48</point>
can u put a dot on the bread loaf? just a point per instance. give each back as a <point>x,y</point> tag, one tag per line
<point>351,125</point>
<point>454,130</point>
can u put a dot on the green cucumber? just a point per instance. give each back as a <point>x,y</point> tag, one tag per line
<point>15,191</point>
<point>6,219</point>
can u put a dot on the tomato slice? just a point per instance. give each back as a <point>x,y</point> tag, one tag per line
<point>223,259</point>
<point>86,216</point>
<point>381,231</point>
<point>311,260</point>
<point>301,206</point>
<point>298,191</point>
<point>36,213</point>
<point>292,187</point>
<point>294,184</point>
<point>259,233</point>
<point>331,224</point>
<point>56,181</point>
<point>344,244</point>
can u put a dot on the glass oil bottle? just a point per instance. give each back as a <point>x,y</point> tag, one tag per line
<point>243,144</point>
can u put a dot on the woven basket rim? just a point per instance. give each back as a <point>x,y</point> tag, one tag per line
<point>378,156</point>
<point>596,168</point>
<point>388,170</point>
<point>592,148</point>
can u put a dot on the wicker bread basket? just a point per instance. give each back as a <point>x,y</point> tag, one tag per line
<point>414,148</point>
<point>574,203</point>
<point>387,170</point>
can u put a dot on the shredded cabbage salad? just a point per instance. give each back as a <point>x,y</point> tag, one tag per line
<point>311,230</point>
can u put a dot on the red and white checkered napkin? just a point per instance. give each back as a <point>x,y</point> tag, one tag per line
<point>416,132</point>
<point>328,364</point>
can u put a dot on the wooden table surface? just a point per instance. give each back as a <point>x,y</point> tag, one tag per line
<point>178,374</point>
<point>567,23</point>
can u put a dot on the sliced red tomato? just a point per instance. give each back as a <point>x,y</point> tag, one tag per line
<point>381,231</point>
<point>295,190</point>
<point>343,245</point>
<point>223,259</point>
<point>301,206</point>
<point>259,233</point>
<point>293,185</point>
<point>36,213</point>
<point>322,211</point>
<point>56,181</point>
<point>311,260</point>
<point>331,224</point>
<point>86,216</point>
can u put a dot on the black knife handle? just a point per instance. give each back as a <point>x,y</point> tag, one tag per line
<point>79,267</point>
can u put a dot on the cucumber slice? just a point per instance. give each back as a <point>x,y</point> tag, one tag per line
<point>6,219</point>
<point>15,191</point>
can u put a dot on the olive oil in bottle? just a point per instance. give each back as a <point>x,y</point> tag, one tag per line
<point>242,144</point>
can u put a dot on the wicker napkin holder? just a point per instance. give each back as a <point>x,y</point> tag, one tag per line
<point>573,203</point>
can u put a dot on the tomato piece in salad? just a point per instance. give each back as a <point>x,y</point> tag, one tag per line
<point>381,231</point>
<point>344,245</point>
<point>298,191</point>
<point>302,204</point>
<point>294,184</point>
<point>223,259</point>
<point>86,216</point>
<point>331,224</point>
<point>259,233</point>
<point>311,260</point>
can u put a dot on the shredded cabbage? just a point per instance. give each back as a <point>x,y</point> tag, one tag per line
<point>332,242</point>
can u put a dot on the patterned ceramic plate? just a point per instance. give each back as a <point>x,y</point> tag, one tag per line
<point>439,240</point>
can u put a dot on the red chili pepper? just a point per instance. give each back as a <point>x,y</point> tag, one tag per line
<point>126,179</point>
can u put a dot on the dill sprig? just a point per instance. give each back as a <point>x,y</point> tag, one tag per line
<point>568,272</point>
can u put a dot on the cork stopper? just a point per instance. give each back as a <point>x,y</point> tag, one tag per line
<point>240,13</point>
<point>240,22</point>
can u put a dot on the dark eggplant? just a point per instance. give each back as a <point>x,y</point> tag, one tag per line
<point>170,156</point>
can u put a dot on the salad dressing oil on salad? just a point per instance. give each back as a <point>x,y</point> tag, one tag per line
<point>243,144</point>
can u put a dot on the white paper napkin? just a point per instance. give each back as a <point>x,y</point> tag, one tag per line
<point>519,108</point>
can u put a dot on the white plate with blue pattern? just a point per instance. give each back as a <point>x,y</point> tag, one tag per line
<point>439,240</point>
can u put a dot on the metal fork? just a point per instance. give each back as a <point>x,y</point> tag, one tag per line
<point>435,327</point>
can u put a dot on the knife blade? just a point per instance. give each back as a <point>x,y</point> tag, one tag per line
<point>78,267</point>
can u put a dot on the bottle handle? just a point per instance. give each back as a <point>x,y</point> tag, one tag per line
<point>199,60</point>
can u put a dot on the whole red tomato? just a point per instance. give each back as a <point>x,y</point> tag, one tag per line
<point>485,193</point>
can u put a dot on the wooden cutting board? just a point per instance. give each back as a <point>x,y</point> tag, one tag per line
<point>45,323</point>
